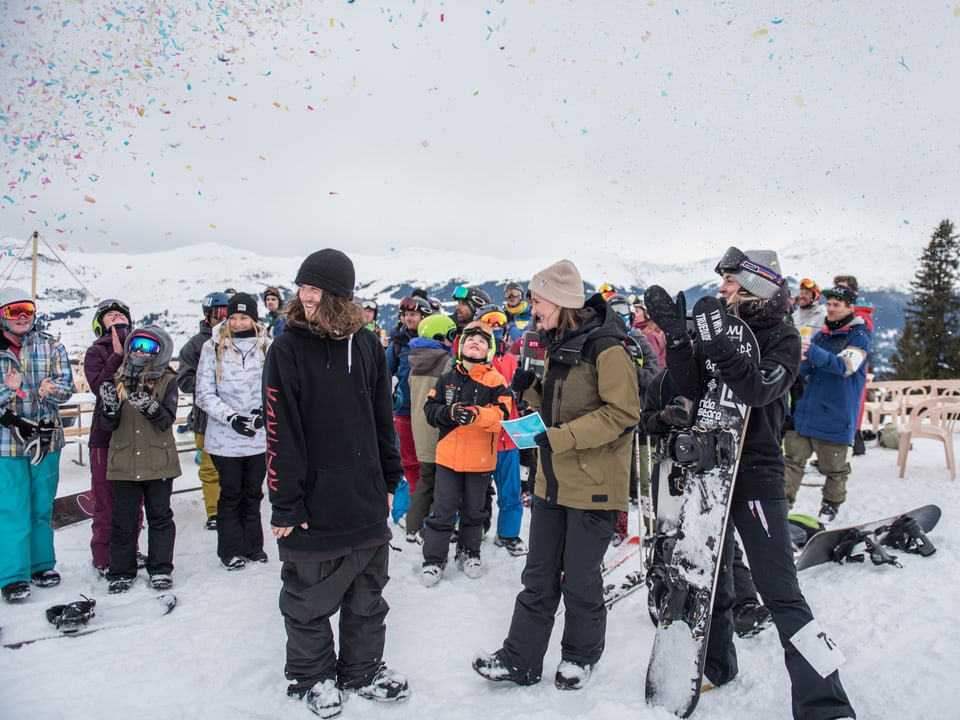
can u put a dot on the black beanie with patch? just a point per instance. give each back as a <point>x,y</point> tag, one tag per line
<point>329,270</point>
<point>243,303</point>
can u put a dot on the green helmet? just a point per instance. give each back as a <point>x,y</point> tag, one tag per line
<point>437,327</point>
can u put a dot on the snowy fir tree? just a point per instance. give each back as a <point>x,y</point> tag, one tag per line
<point>929,346</point>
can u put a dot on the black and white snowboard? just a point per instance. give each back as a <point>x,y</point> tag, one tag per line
<point>906,532</point>
<point>682,582</point>
<point>111,616</point>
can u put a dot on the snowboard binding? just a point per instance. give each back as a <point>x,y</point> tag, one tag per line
<point>73,616</point>
<point>699,450</point>
<point>907,535</point>
<point>843,552</point>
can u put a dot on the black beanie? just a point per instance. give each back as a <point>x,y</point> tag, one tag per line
<point>329,270</point>
<point>243,303</point>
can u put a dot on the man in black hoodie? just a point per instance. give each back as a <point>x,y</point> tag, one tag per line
<point>332,468</point>
<point>753,288</point>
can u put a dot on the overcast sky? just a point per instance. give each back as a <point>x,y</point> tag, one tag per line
<point>529,127</point>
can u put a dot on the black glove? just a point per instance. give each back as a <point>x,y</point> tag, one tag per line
<point>542,440</point>
<point>677,412</point>
<point>242,425</point>
<point>144,402</point>
<point>710,321</point>
<point>257,418</point>
<point>463,414</point>
<point>108,397</point>
<point>28,434</point>
<point>670,316</point>
<point>522,380</point>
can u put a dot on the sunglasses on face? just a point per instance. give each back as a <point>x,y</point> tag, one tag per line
<point>734,260</point>
<point>144,344</point>
<point>20,309</point>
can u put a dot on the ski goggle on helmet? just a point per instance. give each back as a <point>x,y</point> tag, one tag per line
<point>477,328</point>
<point>145,344</point>
<point>16,310</point>
<point>735,260</point>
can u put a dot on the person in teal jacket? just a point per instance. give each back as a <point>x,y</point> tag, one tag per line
<point>36,380</point>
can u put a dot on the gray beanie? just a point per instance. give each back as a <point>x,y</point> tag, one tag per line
<point>560,284</point>
<point>757,284</point>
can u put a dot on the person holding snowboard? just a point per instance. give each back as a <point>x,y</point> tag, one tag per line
<point>590,403</point>
<point>753,288</point>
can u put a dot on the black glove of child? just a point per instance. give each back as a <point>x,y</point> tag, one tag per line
<point>670,316</point>
<point>710,322</point>
<point>542,440</point>
<point>27,433</point>
<point>522,380</point>
<point>108,397</point>
<point>257,418</point>
<point>242,425</point>
<point>144,402</point>
<point>463,414</point>
<point>677,412</point>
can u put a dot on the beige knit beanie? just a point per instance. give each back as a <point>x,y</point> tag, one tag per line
<point>560,284</point>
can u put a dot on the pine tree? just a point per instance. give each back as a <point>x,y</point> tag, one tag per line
<point>929,347</point>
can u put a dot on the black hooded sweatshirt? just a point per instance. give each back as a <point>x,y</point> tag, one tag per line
<point>331,444</point>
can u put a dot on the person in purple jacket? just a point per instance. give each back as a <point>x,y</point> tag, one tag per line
<point>111,323</point>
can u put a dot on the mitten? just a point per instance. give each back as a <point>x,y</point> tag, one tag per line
<point>257,418</point>
<point>242,425</point>
<point>677,412</point>
<point>144,402</point>
<point>108,397</point>
<point>522,380</point>
<point>670,316</point>
<point>466,414</point>
<point>542,440</point>
<point>710,323</point>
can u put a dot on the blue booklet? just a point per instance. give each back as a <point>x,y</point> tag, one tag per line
<point>522,430</point>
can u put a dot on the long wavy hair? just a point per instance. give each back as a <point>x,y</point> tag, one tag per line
<point>335,316</point>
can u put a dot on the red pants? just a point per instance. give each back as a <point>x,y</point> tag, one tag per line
<point>408,451</point>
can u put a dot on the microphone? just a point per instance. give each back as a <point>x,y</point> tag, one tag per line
<point>529,347</point>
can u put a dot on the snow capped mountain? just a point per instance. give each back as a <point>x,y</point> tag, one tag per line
<point>167,286</point>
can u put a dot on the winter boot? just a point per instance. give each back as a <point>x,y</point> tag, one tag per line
<point>496,668</point>
<point>383,686</point>
<point>572,675</point>
<point>45,578</point>
<point>16,591</point>
<point>470,564</point>
<point>515,546</point>
<point>119,585</point>
<point>257,557</point>
<point>161,581</point>
<point>325,698</point>
<point>235,563</point>
<point>430,574</point>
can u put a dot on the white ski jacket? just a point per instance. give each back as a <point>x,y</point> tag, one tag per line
<point>238,391</point>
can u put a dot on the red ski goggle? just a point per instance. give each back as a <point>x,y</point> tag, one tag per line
<point>144,344</point>
<point>19,309</point>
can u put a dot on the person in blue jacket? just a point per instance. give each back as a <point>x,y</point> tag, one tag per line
<point>825,417</point>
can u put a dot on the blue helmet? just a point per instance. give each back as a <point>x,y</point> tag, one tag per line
<point>214,300</point>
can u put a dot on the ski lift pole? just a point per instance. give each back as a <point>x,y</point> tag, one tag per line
<point>33,274</point>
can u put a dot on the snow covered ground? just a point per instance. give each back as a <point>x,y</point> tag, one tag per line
<point>220,653</point>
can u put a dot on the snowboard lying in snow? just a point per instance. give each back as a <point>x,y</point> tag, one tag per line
<point>906,532</point>
<point>111,616</point>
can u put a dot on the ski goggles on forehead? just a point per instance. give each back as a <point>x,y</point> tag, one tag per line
<point>472,329</point>
<point>808,284</point>
<point>371,305</point>
<point>734,260</point>
<point>19,309</point>
<point>461,292</point>
<point>409,304</point>
<point>144,344</point>
<point>112,304</point>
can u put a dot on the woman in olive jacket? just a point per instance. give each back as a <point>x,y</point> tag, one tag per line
<point>589,402</point>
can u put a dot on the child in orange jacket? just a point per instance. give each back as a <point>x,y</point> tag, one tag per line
<point>466,406</point>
